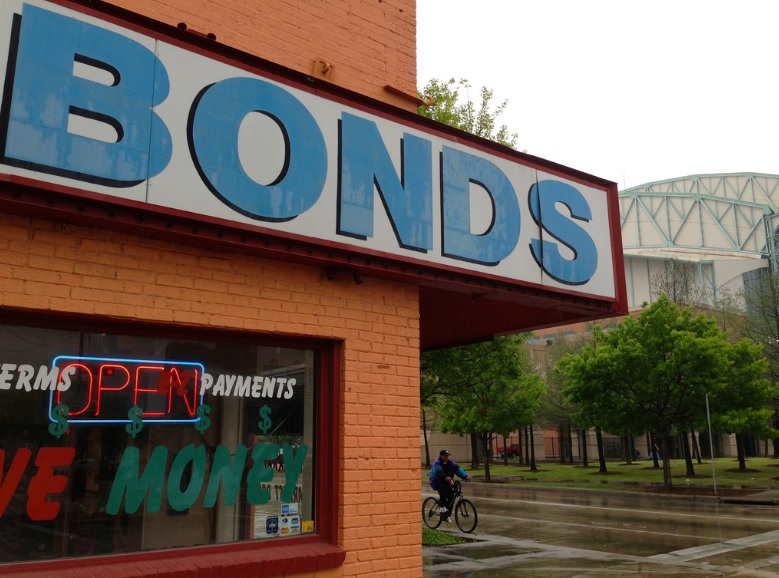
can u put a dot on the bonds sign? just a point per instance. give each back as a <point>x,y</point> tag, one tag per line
<point>97,107</point>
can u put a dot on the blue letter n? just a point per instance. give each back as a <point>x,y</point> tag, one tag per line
<point>408,201</point>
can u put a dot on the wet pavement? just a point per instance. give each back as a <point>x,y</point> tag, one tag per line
<point>553,533</point>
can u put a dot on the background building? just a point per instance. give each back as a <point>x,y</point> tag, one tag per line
<point>720,228</point>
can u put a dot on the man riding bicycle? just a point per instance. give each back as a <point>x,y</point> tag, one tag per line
<point>441,479</point>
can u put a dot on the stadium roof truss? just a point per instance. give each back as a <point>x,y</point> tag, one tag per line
<point>730,213</point>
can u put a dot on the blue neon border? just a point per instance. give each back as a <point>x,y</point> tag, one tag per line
<point>125,421</point>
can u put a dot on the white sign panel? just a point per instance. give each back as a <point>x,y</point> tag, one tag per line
<point>101,108</point>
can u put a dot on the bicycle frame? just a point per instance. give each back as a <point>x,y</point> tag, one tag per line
<point>463,509</point>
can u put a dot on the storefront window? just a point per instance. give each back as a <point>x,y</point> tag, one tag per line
<point>118,443</point>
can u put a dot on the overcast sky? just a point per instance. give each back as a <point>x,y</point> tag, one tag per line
<point>630,91</point>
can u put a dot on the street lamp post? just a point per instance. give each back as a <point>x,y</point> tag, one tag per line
<point>711,446</point>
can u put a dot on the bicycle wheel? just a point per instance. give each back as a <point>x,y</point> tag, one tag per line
<point>431,513</point>
<point>465,515</point>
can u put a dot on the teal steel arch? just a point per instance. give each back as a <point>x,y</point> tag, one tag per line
<point>733,212</point>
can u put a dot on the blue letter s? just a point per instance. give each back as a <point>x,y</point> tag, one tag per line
<point>543,196</point>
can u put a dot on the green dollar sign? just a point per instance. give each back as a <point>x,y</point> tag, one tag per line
<point>203,423</point>
<point>60,413</point>
<point>265,423</point>
<point>134,428</point>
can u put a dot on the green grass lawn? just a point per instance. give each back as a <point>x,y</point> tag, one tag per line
<point>438,538</point>
<point>761,473</point>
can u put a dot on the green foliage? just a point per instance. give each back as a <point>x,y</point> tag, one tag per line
<point>486,388</point>
<point>448,109</point>
<point>555,408</point>
<point>741,404</point>
<point>489,387</point>
<point>652,373</point>
<point>760,318</point>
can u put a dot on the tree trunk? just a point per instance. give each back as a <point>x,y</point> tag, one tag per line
<point>601,455</point>
<point>505,452</point>
<point>776,426</point>
<point>627,450</point>
<point>649,442</point>
<point>520,459</point>
<point>485,440</point>
<point>687,454</point>
<point>532,445</point>
<point>583,451</point>
<point>740,450</point>
<point>527,446</point>
<point>561,438</point>
<point>696,450</point>
<point>665,442</point>
<point>569,439</point>
<point>474,451</point>
<point>655,452</point>
<point>424,430</point>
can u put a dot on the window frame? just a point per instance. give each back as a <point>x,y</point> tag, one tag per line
<point>294,554</point>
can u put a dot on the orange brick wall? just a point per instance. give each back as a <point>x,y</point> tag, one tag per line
<point>371,43</point>
<point>65,268</point>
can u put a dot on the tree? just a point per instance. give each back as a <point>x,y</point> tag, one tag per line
<point>556,409</point>
<point>653,372</point>
<point>680,281</point>
<point>431,388</point>
<point>589,388</point>
<point>760,322</point>
<point>448,109</point>
<point>491,389</point>
<point>741,406</point>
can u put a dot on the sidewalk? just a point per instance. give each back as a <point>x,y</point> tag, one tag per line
<point>501,556</point>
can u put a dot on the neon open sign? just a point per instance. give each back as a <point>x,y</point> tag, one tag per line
<point>103,390</point>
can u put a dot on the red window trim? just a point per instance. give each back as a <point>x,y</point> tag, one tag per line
<point>257,558</point>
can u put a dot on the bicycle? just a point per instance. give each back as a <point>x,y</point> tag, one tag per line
<point>464,511</point>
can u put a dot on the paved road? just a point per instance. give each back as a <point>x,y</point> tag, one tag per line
<point>555,533</point>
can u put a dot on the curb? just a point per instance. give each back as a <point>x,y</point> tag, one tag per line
<point>756,500</point>
<point>761,497</point>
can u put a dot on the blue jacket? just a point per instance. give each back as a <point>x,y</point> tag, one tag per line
<point>440,471</point>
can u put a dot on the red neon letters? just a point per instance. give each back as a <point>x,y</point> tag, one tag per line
<point>105,389</point>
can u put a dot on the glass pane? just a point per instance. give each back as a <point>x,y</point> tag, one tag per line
<point>119,443</point>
